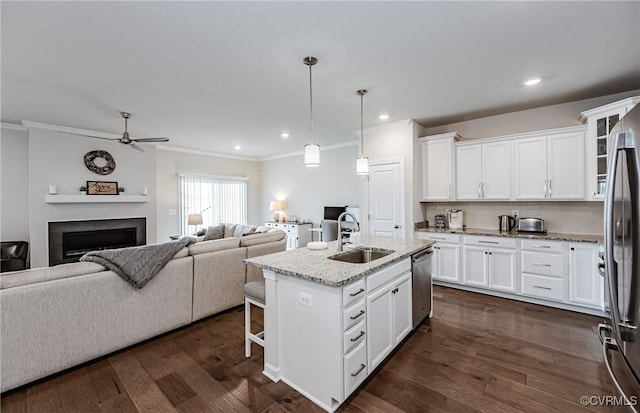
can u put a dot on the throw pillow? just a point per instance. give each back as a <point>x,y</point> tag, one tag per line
<point>240,230</point>
<point>228,230</point>
<point>262,228</point>
<point>215,232</point>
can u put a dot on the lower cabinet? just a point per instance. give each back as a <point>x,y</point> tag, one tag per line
<point>587,285</point>
<point>388,318</point>
<point>488,265</point>
<point>445,261</point>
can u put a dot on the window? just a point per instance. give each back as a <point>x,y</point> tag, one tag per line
<point>218,199</point>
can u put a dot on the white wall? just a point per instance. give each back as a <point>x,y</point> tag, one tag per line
<point>14,185</point>
<point>170,163</point>
<point>308,190</point>
<point>58,159</point>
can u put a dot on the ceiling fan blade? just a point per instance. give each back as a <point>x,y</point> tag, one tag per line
<point>151,140</point>
<point>135,147</point>
<point>91,136</point>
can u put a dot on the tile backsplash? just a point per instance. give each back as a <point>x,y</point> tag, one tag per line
<point>559,216</point>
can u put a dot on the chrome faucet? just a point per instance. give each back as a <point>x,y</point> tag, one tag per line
<point>356,227</point>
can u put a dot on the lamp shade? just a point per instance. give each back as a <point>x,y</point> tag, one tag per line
<point>311,155</point>
<point>277,206</point>
<point>362,165</point>
<point>194,219</point>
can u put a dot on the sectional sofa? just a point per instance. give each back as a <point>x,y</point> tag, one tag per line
<point>58,317</point>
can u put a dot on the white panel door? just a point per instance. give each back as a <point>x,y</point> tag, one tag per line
<point>386,202</point>
<point>448,262</point>
<point>475,266</point>
<point>437,169</point>
<point>530,172</point>
<point>585,281</point>
<point>469,172</point>
<point>380,334</point>
<point>497,170</point>
<point>402,309</point>
<point>502,270</point>
<point>566,171</point>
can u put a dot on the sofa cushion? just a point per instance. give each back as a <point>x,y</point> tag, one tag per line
<point>37,275</point>
<point>229,229</point>
<point>241,230</point>
<point>255,239</point>
<point>214,232</point>
<point>214,245</point>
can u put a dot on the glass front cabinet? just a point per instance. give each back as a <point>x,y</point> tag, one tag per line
<point>600,121</point>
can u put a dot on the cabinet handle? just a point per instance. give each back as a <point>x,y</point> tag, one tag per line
<point>449,191</point>
<point>545,188</point>
<point>538,264</point>
<point>542,288</point>
<point>484,190</point>
<point>358,336</point>
<point>360,291</point>
<point>541,246</point>
<point>489,242</point>
<point>360,314</point>
<point>549,188</point>
<point>355,373</point>
<point>438,238</point>
<point>479,189</point>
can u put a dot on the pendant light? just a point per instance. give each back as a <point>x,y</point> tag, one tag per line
<point>311,151</point>
<point>362,163</point>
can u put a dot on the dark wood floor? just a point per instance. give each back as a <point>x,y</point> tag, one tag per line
<point>477,354</point>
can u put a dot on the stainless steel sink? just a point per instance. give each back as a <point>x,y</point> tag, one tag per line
<point>361,255</point>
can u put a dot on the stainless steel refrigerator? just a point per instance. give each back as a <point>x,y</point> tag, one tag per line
<point>620,336</point>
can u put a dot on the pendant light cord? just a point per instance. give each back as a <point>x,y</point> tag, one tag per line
<point>310,106</point>
<point>361,125</point>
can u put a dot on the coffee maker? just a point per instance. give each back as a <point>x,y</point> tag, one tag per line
<point>455,218</point>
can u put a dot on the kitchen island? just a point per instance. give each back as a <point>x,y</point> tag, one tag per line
<point>329,323</point>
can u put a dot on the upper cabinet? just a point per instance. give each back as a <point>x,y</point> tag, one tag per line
<point>438,167</point>
<point>483,171</point>
<point>600,121</point>
<point>550,166</point>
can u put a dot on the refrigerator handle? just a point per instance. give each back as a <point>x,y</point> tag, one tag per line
<point>609,227</point>
<point>610,344</point>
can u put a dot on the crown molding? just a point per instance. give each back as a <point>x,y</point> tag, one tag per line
<point>204,153</point>
<point>386,126</point>
<point>14,126</point>
<point>66,129</point>
<point>322,149</point>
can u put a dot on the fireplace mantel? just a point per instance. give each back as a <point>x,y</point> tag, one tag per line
<point>87,199</point>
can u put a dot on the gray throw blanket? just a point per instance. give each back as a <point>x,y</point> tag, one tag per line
<point>138,265</point>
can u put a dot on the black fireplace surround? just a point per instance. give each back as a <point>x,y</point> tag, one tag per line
<point>70,240</point>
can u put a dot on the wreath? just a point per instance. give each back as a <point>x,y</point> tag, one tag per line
<point>105,164</point>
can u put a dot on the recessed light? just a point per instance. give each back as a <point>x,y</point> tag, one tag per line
<point>237,147</point>
<point>384,116</point>
<point>284,134</point>
<point>533,81</point>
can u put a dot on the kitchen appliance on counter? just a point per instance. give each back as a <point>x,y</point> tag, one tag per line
<point>455,218</point>
<point>506,223</point>
<point>440,221</point>
<point>421,285</point>
<point>620,335</point>
<point>531,225</point>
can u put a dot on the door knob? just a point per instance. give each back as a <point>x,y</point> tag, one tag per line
<point>396,226</point>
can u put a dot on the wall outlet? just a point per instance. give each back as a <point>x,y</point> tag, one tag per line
<point>515,213</point>
<point>306,299</point>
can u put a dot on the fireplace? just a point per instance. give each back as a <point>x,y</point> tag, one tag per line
<point>70,240</point>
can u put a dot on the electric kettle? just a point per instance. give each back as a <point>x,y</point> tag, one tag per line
<point>455,218</point>
<point>506,223</point>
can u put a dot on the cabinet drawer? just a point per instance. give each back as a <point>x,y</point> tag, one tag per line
<point>354,336</point>
<point>543,263</point>
<point>437,236</point>
<point>355,369</point>
<point>544,287</point>
<point>354,314</point>
<point>496,242</point>
<point>541,245</point>
<point>353,292</point>
<point>387,274</point>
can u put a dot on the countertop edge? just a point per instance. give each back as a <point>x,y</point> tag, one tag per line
<point>551,236</point>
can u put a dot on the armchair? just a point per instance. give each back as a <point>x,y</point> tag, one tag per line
<point>13,255</point>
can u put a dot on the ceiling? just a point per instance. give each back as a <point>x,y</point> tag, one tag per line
<point>212,75</point>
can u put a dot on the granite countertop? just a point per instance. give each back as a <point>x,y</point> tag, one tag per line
<point>551,236</point>
<point>313,265</point>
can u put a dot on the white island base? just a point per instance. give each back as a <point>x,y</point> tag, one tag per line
<point>324,340</point>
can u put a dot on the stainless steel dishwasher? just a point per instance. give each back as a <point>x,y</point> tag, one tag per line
<point>422,289</point>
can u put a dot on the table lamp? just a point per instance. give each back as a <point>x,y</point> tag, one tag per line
<point>194,219</point>
<point>277,207</point>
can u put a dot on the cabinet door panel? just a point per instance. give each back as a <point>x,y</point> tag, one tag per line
<point>530,172</point>
<point>586,283</point>
<point>497,170</point>
<point>448,259</point>
<point>437,172</point>
<point>402,310</point>
<point>502,270</point>
<point>379,326</point>
<point>475,266</point>
<point>566,166</point>
<point>469,172</point>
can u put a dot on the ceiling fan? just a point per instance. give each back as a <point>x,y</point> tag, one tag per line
<point>126,139</point>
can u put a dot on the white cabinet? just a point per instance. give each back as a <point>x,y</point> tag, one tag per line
<point>445,261</point>
<point>600,121</point>
<point>437,163</point>
<point>388,318</point>
<point>586,285</point>
<point>490,262</point>
<point>298,235</point>
<point>543,269</point>
<point>550,167</point>
<point>483,171</point>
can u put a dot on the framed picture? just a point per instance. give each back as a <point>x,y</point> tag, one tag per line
<point>102,188</point>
